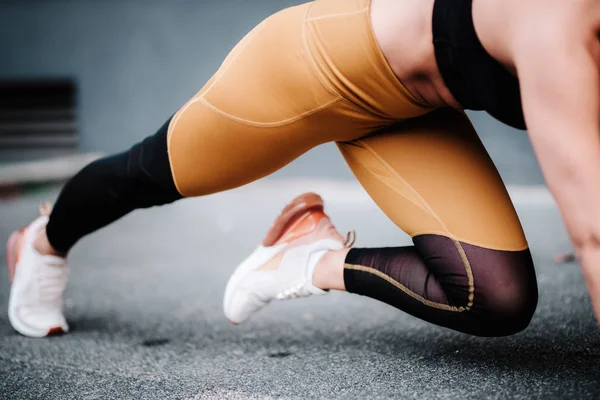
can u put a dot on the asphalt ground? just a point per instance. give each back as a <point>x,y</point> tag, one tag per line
<point>145,306</point>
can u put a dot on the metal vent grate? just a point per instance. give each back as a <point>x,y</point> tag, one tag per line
<point>37,113</point>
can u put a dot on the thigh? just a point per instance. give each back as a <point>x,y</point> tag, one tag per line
<point>265,106</point>
<point>432,175</point>
<point>291,84</point>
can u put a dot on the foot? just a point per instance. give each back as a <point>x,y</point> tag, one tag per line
<point>37,284</point>
<point>282,266</point>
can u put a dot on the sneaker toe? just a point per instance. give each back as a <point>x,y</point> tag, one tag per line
<point>241,306</point>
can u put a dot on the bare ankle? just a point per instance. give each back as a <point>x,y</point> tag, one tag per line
<point>329,272</point>
<point>42,245</point>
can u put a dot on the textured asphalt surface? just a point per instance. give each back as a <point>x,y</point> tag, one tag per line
<point>144,304</point>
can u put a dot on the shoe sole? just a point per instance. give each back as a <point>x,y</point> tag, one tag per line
<point>26,330</point>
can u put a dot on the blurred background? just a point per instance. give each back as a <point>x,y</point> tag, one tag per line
<point>116,70</point>
<point>81,78</point>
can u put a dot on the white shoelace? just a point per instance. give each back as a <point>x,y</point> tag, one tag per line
<point>293,292</point>
<point>350,238</point>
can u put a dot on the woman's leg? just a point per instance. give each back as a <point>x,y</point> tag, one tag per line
<point>470,268</point>
<point>250,119</point>
<point>107,189</point>
<point>291,84</point>
<point>277,95</point>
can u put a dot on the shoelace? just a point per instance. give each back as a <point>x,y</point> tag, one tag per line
<point>350,238</point>
<point>293,292</point>
<point>51,282</point>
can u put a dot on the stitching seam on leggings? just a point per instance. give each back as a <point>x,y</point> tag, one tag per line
<point>171,129</point>
<point>218,74</point>
<point>311,58</point>
<point>471,242</point>
<point>171,160</point>
<point>337,15</point>
<point>202,98</point>
<point>224,66</point>
<point>415,203</point>
<point>429,210</point>
<point>403,288</point>
<point>324,80</point>
<point>264,124</point>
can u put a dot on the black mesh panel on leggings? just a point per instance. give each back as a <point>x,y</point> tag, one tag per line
<point>432,281</point>
<point>111,187</point>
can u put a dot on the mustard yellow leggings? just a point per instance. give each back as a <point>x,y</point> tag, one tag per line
<point>312,74</point>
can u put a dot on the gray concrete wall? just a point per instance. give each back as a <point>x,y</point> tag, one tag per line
<point>136,62</point>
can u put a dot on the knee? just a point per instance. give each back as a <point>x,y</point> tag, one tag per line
<point>508,299</point>
<point>509,312</point>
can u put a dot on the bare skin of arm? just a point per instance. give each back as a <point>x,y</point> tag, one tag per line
<point>557,63</point>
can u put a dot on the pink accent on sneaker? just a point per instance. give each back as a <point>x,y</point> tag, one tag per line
<point>302,221</point>
<point>32,275</point>
<point>13,249</point>
<point>282,266</point>
<point>55,331</point>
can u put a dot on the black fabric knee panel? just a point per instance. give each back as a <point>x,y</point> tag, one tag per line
<point>507,287</point>
<point>494,294</point>
<point>505,292</point>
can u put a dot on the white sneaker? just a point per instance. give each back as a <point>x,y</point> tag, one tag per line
<point>282,266</point>
<point>38,283</point>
